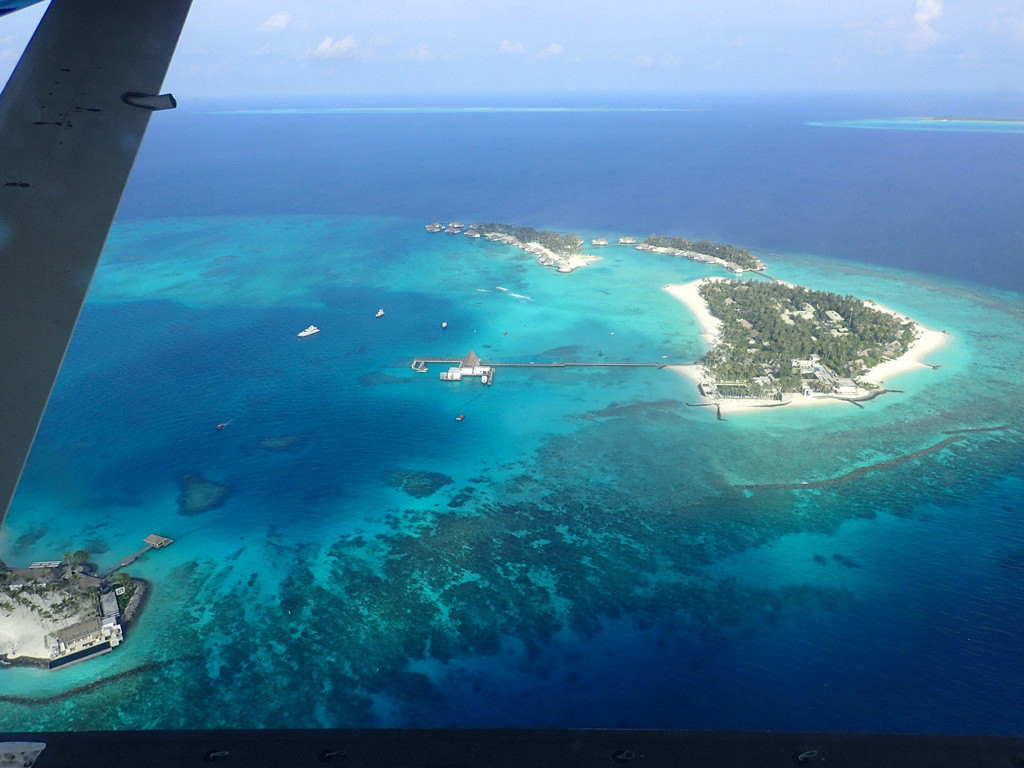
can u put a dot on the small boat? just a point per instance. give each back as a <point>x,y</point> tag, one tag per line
<point>309,331</point>
<point>380,312</point>
<point>460,417</point>
<point>444,325</point>
<point>222,425</point>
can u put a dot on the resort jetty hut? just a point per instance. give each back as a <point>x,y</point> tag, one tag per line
<point>470,365</point>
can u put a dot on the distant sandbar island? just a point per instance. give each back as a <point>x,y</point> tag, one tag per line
<point>961,119</point>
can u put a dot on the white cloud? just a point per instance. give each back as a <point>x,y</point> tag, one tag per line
<point>643,60</point>
<point>924,35</point>
<point>346,48</point>
<point>508,46</point>
<point>926,11</point>
<point>552,50</point>
<point>277,22</point>
<point>420,52</point>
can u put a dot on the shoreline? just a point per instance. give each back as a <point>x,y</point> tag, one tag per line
<point>545,256</point>
<point>926,342</point>
<point>24,630</point>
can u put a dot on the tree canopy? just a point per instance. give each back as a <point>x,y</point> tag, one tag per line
<point>767,325</point>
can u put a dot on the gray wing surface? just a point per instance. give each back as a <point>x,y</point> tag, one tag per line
<point>67,143</point>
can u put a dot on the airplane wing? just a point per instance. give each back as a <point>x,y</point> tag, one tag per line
<point>72,117</point>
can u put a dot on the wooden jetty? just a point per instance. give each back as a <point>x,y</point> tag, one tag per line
<point>420,364</point>
<point>153,541</point>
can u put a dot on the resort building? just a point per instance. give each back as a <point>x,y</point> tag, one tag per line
<point>470,365</point>
<point>833,317</point>
<point>627,241</point>
<point>599,242</point>
<point>806,367</point>
<point>98,634</point>
<point>846,387</point>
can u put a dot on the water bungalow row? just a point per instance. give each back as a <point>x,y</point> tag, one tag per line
<point>454,228</point>
<point>457,227</point>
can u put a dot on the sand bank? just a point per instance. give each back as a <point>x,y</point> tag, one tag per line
<point>687,293</point>
<point>545,256</point>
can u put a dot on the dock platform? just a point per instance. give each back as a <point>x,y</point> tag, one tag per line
<point>153,541</point>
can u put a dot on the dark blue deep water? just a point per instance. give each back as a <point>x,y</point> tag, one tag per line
<point>743,169</point>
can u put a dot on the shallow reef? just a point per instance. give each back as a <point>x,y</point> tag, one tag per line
<point>197,495</point>
<point>418,483</point>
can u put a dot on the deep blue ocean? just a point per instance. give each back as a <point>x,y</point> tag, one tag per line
<point>577,552</point>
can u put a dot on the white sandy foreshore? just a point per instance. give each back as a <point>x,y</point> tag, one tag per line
<point>926,342</point>
<point>545,256</point>
<point>23,633</point>
<point>687,293</point>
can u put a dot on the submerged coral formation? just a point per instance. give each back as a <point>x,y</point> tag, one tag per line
<point>197,495</point>
<point>419,484</point>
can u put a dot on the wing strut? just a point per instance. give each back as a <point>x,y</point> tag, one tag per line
<point>69,133</point>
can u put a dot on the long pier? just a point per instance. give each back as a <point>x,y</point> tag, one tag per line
<point>421,363</point>
<point>153,541</point>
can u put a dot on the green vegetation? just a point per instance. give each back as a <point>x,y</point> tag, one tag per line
<point>563,245</point>
<point>767,325</point>
<point>739,256</point>
<point>79,557</point>
<point>122,579</point>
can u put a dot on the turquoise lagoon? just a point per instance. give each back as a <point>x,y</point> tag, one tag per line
<point>575,552</point>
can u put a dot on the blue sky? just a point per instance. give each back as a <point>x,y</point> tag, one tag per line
<point>307,47</point>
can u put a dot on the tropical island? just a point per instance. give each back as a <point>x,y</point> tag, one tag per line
<point>729,256</point>
<point>552,249</point>
<point>58,612</point>
<point>775,343</point>
<point>770,342</point>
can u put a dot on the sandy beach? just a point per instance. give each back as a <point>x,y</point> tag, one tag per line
<point>545,256</point>
<point>710,325</point>
<point>926,342</point>
<point>23,633</point>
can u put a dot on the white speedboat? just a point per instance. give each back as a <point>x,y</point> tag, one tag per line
<point>309,331</point>
<point>380,312</point>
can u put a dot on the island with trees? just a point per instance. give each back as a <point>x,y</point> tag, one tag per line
<point>552,249</point>
<point>56,613</point>
<point>771,340</point>
<point>729,256</point>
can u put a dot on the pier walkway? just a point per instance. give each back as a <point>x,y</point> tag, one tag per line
<point>420,364</point>
<point>153,541</point>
